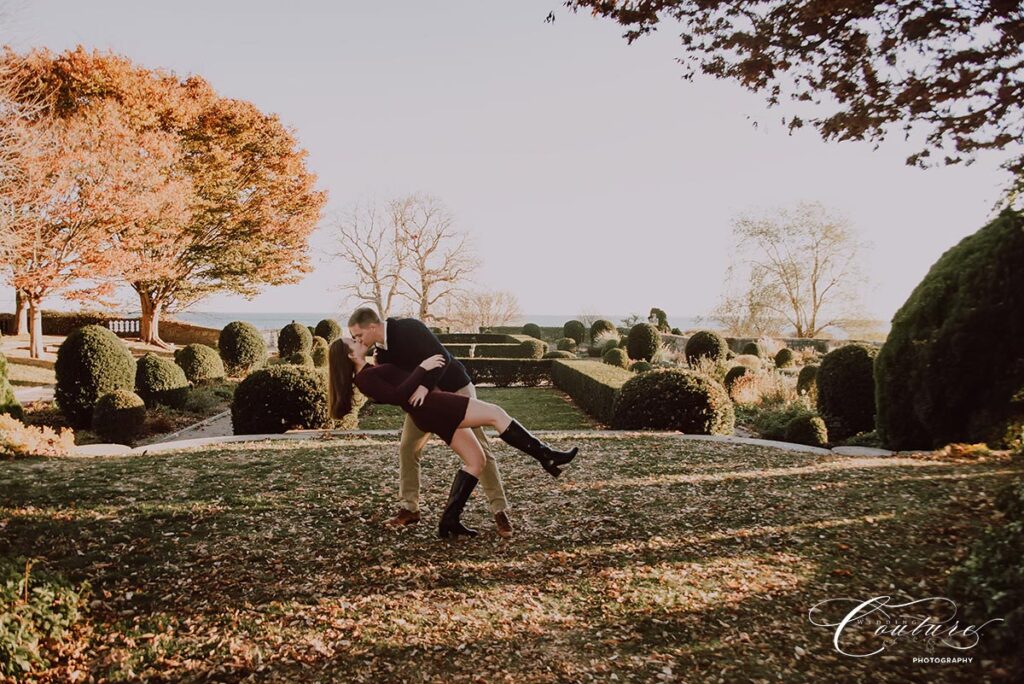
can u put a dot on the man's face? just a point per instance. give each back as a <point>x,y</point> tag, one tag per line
<point>368,335</point>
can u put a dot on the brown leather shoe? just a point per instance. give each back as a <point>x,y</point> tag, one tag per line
<point>503,523</point>
<point>404,517</point>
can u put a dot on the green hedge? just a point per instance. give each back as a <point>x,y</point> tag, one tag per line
<point>460,351</point>
<point>508,372</point>
<point>593,385</point>
<point>480,338</point>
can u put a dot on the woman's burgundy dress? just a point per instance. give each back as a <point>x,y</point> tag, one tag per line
<point>440,413</point>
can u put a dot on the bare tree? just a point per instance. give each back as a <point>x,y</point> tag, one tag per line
<point>370,241</point>
<point>744,310</point>
<point>439,258</point>
<point>801,265</point>
<point>482,309</point>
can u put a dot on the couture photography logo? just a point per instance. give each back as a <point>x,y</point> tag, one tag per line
<point>862,628</point>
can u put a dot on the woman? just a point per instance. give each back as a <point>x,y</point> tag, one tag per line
<point>448,415</point>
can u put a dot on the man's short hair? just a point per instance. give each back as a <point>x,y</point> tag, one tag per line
<point>362,317</point>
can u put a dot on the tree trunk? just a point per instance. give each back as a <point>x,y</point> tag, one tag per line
<point>20,313</point>
<point>149,326</point>
<point>35,315</point>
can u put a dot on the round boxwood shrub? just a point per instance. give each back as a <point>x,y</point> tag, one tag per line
<point>601,327</point>
<point>119,416</point>
<point>328,329</point>
<point>565,344</point>
<point>807,429</point>
<point>952,368</point>
<point>706,344</point>
<point>784,358</point>
<point>293,338</point>
<point>676,331</point>
<point>160,381</point>
<point>559,355</point>
<point>623,341</point>
<point>641,366</point>
<point>734,374</point>
<point>318,352</point>
<point>616,357</point>
<point>674,399</point>
<point>278,399</point>
<point>300,359</point>
<point>532,329</point>
<point>643,341</point>
<point>807,380</point>
<point>846,390</point>
<point>576,330</point>
<point>91,362</point>
<point>200,362</point>
<point>531,349</point>
<point>610,344</point>
<point>752,348</point>
<point>9,404</point>
<point>241,347</point>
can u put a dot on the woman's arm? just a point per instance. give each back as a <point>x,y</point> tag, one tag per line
<point>373,385</point>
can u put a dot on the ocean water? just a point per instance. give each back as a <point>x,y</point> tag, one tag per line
<point>277,320</point>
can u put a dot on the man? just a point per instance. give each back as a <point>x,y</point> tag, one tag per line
<point>406,342</point>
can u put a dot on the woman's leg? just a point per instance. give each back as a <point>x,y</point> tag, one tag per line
<point>481,413</point>
<point>465,444</point>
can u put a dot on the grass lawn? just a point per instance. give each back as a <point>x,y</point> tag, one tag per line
<point>538,408</point>
<point>650,559</point>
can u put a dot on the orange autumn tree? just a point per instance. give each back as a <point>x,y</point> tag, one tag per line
<point>81,182</point>
<point>251,203</point>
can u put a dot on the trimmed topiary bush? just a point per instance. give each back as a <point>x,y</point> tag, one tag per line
<point>300,359</point>
<point>327,329</point>
<point>576,330</point>
<point>531,349</point>
<point>706,344</point>
<point>292,339</point>
<point>674,399</point>
<point>602,327</point>
<point>807,429</point>
<point>784,358</point>
<point>559,355</point>
<point>609,344</point>
<point>119,416</point>
<point>616,357</point>
<point>748,360</point>
<point>91,362</point>
<point>242,348</point>
<point>751,348</point>
<point>160,381</point>
<point>952,368</point>
<point>846,390</point>
<point>8,403</point>
<point>533,330</point>
<point>641,366</point>
<point>643,342</point>
<point>807,381</point>
<point>318,352</point>
<point>734,374</point>
<point>280,398</point>
<point>565,344</point>
<point>200,362</point>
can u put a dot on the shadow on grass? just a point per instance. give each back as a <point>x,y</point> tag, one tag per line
<point>668,570</point>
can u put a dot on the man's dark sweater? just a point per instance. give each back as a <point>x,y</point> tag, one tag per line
<point>409,343</point>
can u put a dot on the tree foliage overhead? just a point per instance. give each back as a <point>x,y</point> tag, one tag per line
<point>954,71</point>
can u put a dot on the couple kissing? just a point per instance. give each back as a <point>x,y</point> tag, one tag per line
<point>413,370</point>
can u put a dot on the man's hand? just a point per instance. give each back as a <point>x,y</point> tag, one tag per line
<point>418,396</point>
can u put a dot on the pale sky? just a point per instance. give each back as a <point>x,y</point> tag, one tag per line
<point>591,176</point>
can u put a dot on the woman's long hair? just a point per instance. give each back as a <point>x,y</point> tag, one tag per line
<point>340,370</point>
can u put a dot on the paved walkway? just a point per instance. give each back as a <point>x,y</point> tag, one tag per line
<point>27,394</point>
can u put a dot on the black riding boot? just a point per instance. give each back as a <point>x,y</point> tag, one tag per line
<point>462,487</point>
<point>520,438</point>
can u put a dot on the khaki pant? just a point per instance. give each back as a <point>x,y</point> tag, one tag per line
<point>411,448</point>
